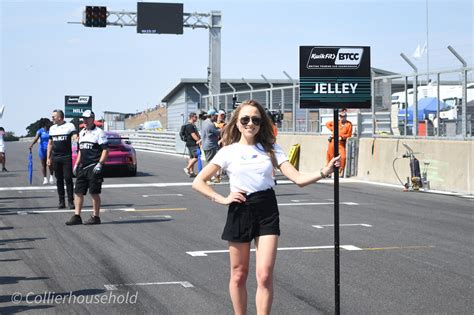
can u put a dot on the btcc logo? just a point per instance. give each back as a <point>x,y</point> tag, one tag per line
<point>83,99</point>
<point>349,57</point>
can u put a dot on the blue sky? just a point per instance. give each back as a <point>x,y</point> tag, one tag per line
<point>43,58</point>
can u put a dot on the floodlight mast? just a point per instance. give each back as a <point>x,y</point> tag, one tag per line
<point>190,20</point>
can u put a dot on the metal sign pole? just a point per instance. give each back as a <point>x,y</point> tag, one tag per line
<point>336,215</point>
<point>335,77</point>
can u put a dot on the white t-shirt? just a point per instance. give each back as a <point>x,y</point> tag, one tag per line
<point>2,146</point>
<point>249,167</point>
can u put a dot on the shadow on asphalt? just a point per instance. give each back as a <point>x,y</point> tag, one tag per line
<point>20,240</point>
<point>138,221</point>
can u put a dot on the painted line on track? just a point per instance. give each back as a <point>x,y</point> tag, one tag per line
<point>102,210</point>
<point>113,287</point>
<point>20,189</point>
<point>321,226</point>
<point>203,253</point>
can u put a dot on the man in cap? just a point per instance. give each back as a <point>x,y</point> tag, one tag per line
<point>93,153</point>
<point>220,123</point>
<point>345,132</point>
<point>210,135</point>
<point>59,155</point>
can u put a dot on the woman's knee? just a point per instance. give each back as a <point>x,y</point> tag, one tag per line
<point>265,277</point>
<point>239,275</point>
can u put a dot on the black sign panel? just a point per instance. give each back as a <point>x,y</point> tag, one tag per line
<point>159,18</point>
<point>76,105</point>
<point>335,77</point>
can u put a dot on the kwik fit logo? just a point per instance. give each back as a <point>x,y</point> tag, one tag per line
<point>334,58</point>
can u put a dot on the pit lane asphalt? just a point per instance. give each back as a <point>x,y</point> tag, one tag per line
<point>415,250</point>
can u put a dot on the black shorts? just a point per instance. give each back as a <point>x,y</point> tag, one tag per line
<point>193,152</point>
<point>86,179</point>
<point>257,216</point>
<point>210,154</point>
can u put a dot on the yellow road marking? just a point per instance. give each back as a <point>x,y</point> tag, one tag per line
<point>157,209</point>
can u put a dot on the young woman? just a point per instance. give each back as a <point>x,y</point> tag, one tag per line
<point>249,156</point>
<point>43,136</point>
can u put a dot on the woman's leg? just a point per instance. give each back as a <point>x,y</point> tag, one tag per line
<point>239,267</point>
<point>43,167</point>
<point>266,248</point>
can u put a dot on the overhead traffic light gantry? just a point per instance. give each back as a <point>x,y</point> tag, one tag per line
<point>95,16</point>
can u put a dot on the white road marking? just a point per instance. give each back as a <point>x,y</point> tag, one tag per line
<point>280,182</point>
<point>316,203</point>
<point>112,287</point>
<point>202,253</point>
<point>102,210</point>
<point>162,195</point>
<point>32,188</point>
<point>354,224</point>
<point>70,210</point>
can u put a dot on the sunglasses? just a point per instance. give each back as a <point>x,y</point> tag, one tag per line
<point>246,119</point>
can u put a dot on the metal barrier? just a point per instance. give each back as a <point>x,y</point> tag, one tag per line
<point>159,141</point>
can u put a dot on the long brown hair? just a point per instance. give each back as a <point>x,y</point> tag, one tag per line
<point>264,137</point>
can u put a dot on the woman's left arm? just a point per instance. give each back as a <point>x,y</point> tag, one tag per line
<point>305,179</point>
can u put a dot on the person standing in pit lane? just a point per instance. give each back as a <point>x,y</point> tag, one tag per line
<point>3,158</point>
<point>249,155</point>
<point>43,136</point>
<point>93,153</point>
<point>59,155</point>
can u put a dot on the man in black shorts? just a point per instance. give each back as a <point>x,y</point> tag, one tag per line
<point>192,143</point>
<point>93,153</point>
<point>59,155</point>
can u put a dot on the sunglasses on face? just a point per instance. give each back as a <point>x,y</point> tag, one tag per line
<point>246,119</point>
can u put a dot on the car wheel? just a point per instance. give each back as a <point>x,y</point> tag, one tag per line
<point>133,172</point>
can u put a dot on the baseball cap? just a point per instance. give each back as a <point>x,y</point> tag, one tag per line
<point>88,113</point>
<point>211,112</point>
<point>221,112</point>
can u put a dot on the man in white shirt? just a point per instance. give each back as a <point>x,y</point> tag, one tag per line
<point>59,154</point>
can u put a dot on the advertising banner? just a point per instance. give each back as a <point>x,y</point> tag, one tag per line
<point>335,77</point>
<point>75,105</point>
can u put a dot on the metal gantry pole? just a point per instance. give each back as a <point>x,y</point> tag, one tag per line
<point>337,284</point>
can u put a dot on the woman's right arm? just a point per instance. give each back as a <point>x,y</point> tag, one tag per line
<point>34,141</point>
<point>200,185</point>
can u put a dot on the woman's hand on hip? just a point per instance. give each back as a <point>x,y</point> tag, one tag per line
<point>234,197</point>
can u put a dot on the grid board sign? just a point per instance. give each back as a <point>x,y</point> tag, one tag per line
<point>335,77</point>
<point>75,105</point>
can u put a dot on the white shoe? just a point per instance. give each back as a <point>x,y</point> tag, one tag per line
<point>51,179</point>
<point>45,181</point>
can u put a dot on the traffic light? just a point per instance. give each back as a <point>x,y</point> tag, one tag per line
<point>95,16</point>
<point>88,22</point>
